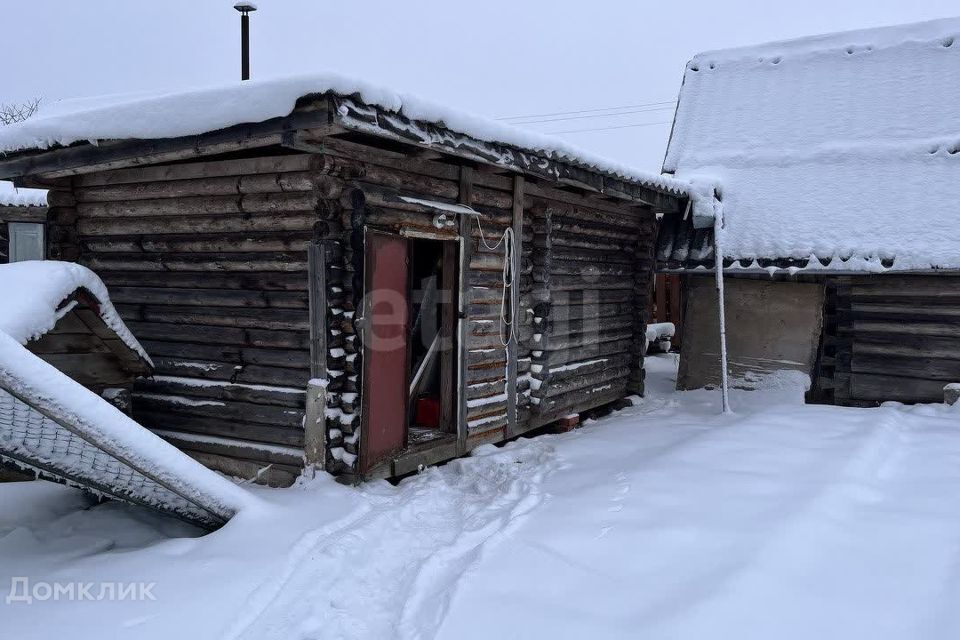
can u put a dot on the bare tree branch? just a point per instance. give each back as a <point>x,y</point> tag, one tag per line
<point>18,112</point>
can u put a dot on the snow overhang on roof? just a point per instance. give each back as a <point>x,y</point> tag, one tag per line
<point>835,153</point>
<point>270,111</point>
<point>11,196</point>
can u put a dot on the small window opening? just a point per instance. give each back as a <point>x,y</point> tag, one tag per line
<point>26,241</point>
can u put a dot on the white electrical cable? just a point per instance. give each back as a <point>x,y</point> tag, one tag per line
<point>509,276</point>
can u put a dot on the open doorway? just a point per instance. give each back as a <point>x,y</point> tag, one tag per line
<point>432,374</point>
<point>408,323</point>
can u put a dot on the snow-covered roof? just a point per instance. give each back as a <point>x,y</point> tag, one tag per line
<point>836,146</point>
<point>11,196</point>
<point>32,294</point>
<point>172,114</point>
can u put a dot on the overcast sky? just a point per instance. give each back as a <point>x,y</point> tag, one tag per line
<point>494,57</point>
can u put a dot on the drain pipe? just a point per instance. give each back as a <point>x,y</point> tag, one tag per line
<point>718,267</point>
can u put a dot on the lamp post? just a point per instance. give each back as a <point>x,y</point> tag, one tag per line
<point>245,9</point>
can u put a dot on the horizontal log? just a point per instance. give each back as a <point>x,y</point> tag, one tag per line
<point>274,319</point>
<point>209,297</point>
<point>583,399</point>
<point>198,224</point>
<point>272,475</point>
<point>173,421</point>
<point>590,326</point>
<point>568,241</point>
<point>879,388</point>
<point>589,352</point>
<point>553,409</point>
<point>227,262</point>
<point>934,369</point>
<point>594,218</point>
<point>219,335</point>
<point>581,255</point>
<point>270,183</point>
<point>220,409</point>
<point>559,373</point>
<point>575,341</point>
<point>584,381</point>
<point>584,283</point>
<point>284,242</point>
<point>202,206</point>
<point>584,231</point>
<point>201,169</point>
<point>245,374</point>
<point>236,449</point>
<point>233,355</point>
<point>218,390</point>
<point>253,282</point>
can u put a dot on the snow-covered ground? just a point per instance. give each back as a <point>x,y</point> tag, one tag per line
<point>666,520</point>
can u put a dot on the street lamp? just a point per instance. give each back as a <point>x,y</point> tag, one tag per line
<point>245,9</point>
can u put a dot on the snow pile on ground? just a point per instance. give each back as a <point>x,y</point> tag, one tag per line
<point>663,521</point>
<point>172,114</point>
<point>842,145</point>
<point>11,196</point>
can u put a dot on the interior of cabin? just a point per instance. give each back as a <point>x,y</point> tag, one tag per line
<point>432,335</point>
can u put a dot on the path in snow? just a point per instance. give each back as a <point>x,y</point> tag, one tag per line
<point>390,569</point>
<point>784,521</point>
<point>665,521</point>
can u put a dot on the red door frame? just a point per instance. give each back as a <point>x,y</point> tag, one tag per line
<point>385,335</point>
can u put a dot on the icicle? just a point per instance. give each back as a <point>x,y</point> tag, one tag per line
<point>718,262</point>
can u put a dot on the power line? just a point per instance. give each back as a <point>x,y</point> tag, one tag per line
<point>569,113</point>
<point>625,126</point>
<point>596,115</point>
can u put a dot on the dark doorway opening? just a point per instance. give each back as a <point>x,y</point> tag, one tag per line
<point>433,316</point>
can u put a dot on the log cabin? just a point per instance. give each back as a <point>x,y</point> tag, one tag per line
<point>333,276</point>
<point>834,159</point>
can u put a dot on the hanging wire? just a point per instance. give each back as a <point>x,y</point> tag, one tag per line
<point>507,318</point>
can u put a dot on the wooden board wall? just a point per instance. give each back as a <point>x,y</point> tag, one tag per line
<point>889,337</point>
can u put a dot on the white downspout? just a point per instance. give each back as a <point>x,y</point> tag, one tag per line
<point>718,266</point>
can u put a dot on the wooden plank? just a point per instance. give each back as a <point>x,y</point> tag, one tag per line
<point>314,425</point>
<point>317,278</point>
<point>465,196</point>
<point>450,348</point>
<point>23,214</point>
<point>106,155</point>
<point>513,422</point>
<point>90,369</point>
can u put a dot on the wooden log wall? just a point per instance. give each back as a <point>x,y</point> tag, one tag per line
<point>592,263</point>
<point>207,264</point>
<point>889,337</point>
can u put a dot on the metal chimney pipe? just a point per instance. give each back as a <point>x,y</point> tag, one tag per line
<point>245,9</point>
